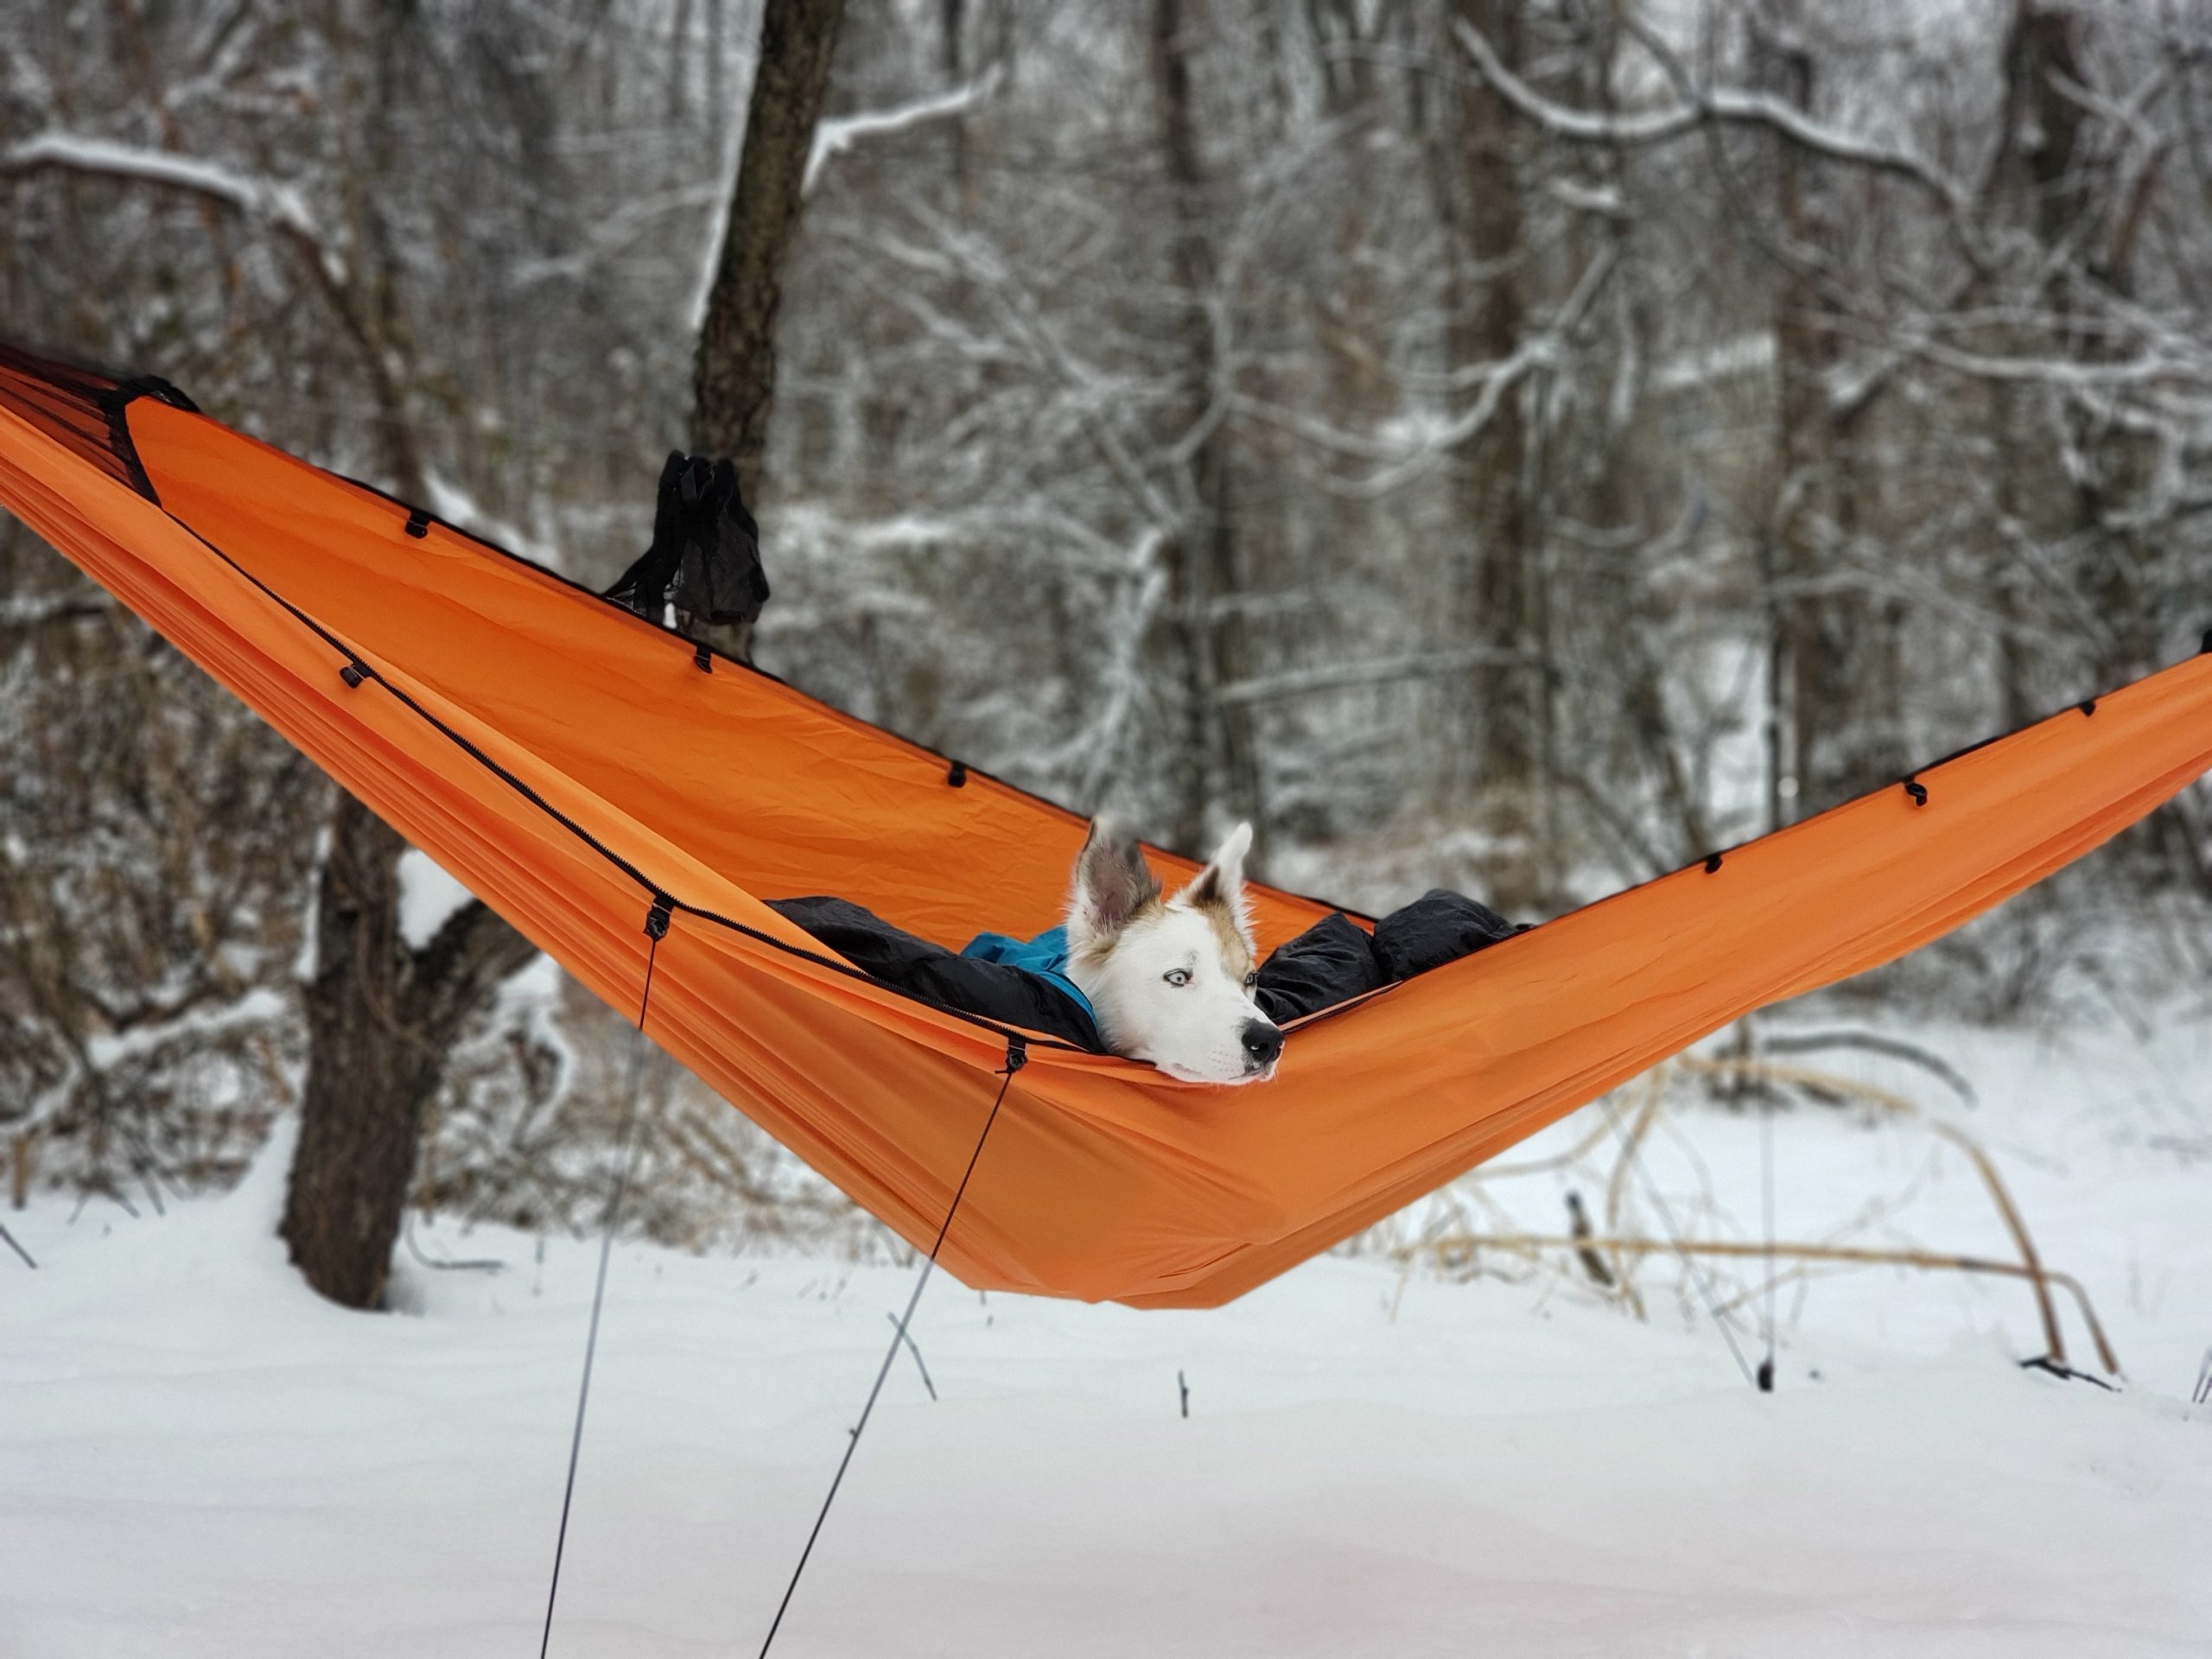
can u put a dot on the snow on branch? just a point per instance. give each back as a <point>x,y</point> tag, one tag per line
<point>833,136</point>
<point>1733,105</point>
<point>1641,127</point>
<point>271,201</point>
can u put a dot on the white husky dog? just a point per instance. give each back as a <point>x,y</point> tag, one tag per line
<point>1170,980</point>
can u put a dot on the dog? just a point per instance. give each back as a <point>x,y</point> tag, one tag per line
<point>1169,979</point>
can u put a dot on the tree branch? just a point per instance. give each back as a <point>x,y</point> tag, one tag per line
<point>464,962</point>
<point>270,202</point>
<point>1728,105</point>
<point>275,205</point>
<point>834,136</point>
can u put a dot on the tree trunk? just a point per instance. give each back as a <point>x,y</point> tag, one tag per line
<point>1498,741</point>
<point>733,372</point>
<point>360,1112</point>
<point>1494,495</point>
<point>382,1022</point>
<point>2043,60</point>
<point>1206,565</point>
<point>1839,731</point>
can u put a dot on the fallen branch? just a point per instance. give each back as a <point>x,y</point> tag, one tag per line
<point>1466,1244</point>
<point>905,1339</point>
<point>1810,1042</point>
<point>9,1239</point>
<point>2031,1264</point>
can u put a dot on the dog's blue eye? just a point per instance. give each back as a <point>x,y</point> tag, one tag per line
<point>1251,979</point>
<point>1177,976</point>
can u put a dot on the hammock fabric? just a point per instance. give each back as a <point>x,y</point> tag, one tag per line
<point>578,766</point>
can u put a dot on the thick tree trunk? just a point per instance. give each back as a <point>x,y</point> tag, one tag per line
<point>2044,63</point>
<point>1493,485</point>
<point>361,1110</point>
<point>1836,696</point>
<point>1499,739</point>
<point>382,1020</point>
<point>733,372</point>
<point>1206,567</point>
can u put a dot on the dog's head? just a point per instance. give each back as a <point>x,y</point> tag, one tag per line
<point>1169,979</point>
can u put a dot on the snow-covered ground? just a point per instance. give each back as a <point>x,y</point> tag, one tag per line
<point>197,1458</point>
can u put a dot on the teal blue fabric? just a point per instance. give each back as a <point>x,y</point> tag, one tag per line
<point>1046,956</point>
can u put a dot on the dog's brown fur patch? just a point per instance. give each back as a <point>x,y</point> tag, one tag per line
<point>1092,953</point>
<point>1236,949</point>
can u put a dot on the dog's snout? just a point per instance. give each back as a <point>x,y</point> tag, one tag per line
<point>1262,1042</point>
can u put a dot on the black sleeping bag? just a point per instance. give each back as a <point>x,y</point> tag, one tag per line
<point>1330,963</point>
<point>1014,996</point>
<point>1333,962</point>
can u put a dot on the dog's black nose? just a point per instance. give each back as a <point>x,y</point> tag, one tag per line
<point>1262,1042</point>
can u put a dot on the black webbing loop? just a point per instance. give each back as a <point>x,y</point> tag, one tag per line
<point>702,658</point>
<point>352,674</point>
<point>1917,790</point>
<point>958,776</point>
<point>418,522</point>
<point>2087,705</point>
<point>1017,1056</point>
<point>656,920</point>
<point>2204,645</point>
<point>1711,863</point>
<point>152,385</point>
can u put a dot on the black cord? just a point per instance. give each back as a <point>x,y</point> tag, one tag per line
<point>655,926</point>
<point>1766,1183</point>
<point>1014,1058</point>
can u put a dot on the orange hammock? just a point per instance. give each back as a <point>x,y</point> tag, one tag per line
<point>574,765</point>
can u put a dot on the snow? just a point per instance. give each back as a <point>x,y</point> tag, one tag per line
<point>202,1459</point>
<point>428,898</point>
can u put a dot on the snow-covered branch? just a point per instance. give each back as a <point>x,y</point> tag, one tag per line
<point>272,202</point>
<point>834,135</point>
<point>1730,106</point>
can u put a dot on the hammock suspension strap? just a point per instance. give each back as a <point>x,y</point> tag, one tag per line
<point>1016,1057</point>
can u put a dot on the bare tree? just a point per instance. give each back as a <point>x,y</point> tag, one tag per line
<point>734,371</point>
<point>1491,272</point>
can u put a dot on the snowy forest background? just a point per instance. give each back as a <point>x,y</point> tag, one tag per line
<point>1516,447</point>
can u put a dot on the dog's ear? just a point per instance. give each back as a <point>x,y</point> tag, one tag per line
<point>1113,884</point>
<point>1220,885</point>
